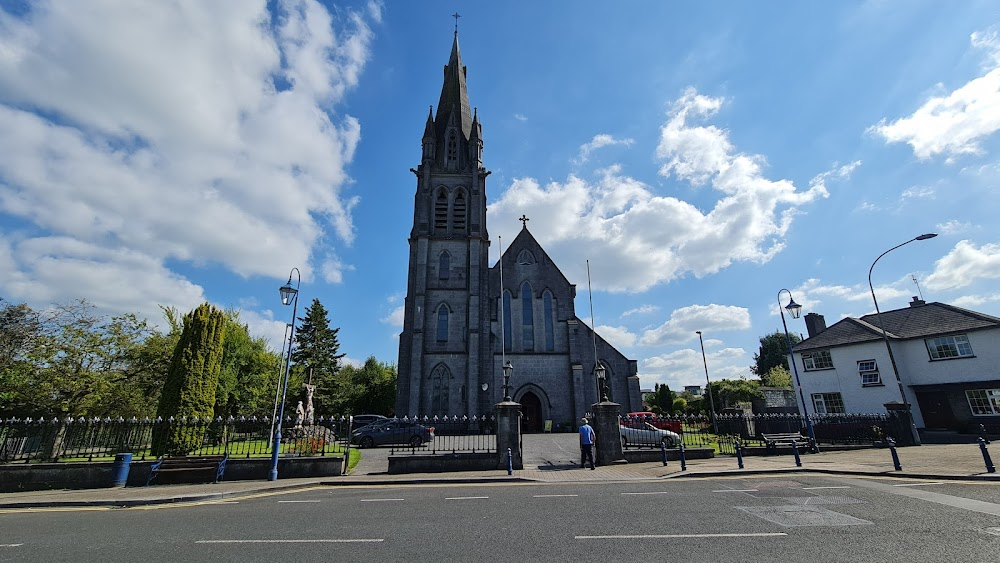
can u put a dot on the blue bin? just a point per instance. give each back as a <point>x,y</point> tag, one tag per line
<point>119,472</point>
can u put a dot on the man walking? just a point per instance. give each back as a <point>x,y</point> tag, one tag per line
<point>587,440</point>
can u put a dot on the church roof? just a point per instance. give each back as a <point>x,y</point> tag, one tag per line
<point>454,95</point>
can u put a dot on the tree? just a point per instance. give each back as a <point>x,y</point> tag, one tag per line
<point>316,354</point>
<point>680,404</point>
<point>248,374</point>
<point>663,399</point>
<point>773,352</point>
<point>731,392</point>
<point>778,376</point>
<point>374,388</point>
<point>189,390</point>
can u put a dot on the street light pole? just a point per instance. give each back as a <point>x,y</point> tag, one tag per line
<point>708,384</point>
<point>885,335</point>
<point>289,294</point>
<point>794,309</point>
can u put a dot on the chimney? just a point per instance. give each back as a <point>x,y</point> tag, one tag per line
<point>815,324</point>
<point>917,302</point>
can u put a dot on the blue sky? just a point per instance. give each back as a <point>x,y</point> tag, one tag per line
<point>701,157</point>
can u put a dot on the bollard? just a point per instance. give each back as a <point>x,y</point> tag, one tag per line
<point>982,433</point>
<point>663,452</point>
<point>795,450</point>
<point>119,471</point>
<point>990,468</point>
<point>684,465</point>
<point>739,455</point>
<point>510,462</point>
<point>895,457</point>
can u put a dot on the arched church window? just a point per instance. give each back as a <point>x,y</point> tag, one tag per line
<point>441,211</point>
<point>444,266</point>
<point>442,323</point>
<point>506,321</point>
<point>452,149</point>
<point>527,318</point>
<point>458,223</point>
<point>440,390</point>
<point>525,257</point>
<point>550,331</point>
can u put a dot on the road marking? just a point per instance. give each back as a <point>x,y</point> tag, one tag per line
<point>919,484</point>
<point>464,498</point>
<point>360,540</point>
<point>736,491</point>
<point>817,488</point>
<point>552,496</point>
<point>223,502</point>
<point>681,536</point>
<point>652,493</point>
<point>379,499</point>
<point>11,544</point>
<point>938,498</point>
<point>294,501</point>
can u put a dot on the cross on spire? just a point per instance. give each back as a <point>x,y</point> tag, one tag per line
<point>456,15</point>
<point>524,221</point>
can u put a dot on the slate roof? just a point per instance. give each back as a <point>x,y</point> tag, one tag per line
<point>921,321</point>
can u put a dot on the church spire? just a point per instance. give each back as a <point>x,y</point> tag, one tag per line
<point>454,95</point>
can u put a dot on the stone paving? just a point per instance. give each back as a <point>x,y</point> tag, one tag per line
<point>950,461</point>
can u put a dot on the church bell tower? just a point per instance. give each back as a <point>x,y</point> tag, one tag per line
<point>444,349</point>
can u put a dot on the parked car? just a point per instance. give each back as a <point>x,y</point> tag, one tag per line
<point>392,432</point>
<point>648,435</point>
<point>361,420</point>
<point>657,421</point>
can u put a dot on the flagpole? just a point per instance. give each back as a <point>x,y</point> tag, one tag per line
<point>593,328</point>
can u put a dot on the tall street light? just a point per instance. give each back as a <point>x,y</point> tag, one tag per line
<point>708,383</point>
<point>794,309</point>
<point>289,295</point>
<point>885,336</point>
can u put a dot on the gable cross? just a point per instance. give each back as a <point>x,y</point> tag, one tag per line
<point>524,221</point>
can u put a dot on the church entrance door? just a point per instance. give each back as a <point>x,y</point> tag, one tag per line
<point>531,409</point>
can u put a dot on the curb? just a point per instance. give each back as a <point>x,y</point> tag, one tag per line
<point>889,474</point>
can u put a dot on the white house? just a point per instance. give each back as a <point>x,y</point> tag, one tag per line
<point>948,360</point>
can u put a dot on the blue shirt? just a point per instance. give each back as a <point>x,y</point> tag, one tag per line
<point>586,435</point>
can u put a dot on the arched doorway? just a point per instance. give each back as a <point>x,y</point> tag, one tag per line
<point>531,410</point>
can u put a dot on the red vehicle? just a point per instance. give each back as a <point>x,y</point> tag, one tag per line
<point>640,417</point>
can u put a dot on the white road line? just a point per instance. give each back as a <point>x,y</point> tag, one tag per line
<point>464,498</point>
<point>379,499</point>
<point>817,488</point>
<point>651,493</point>
<point>363,540</point>
<point>11,544</point>
<point>294,501</point>
<point>736,491</point>
<point>680,536</point>
<point>224,502</point>
<point>919,484</point>
<point>552,496</point>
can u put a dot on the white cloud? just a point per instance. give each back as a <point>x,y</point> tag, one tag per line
<point>520,117</point>
<point>395,318</point>
<point>964,265</point>
<point>685,321</point>
<point>599,141</point>
<point>636,239</point>
<point>953,124</point>
<point>685,367</point>
<point>970,301</point>
<point>166,131</point>
<point>641,310</point>
<point>918,192</point>
<point>953,227</point>
<point>617,336</point>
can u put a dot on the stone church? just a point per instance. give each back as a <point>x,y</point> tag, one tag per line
<point>461,323</point>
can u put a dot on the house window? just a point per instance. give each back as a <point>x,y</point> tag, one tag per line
<point>442,325</point>
<point>444,266</point>
<point>506,321</point>
<point>527,319</point>
<point>984,402</point>
<point>817,360</point>
<point>945,347</point>
<point>868,369</point>
<point>828,403</point>
<point>550,332</point>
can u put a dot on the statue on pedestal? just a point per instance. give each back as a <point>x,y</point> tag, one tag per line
<point>309,414</point>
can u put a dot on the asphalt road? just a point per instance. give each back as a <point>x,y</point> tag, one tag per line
<point>771,518</point>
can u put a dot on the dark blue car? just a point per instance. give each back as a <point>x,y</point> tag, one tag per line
<point>392,432</point>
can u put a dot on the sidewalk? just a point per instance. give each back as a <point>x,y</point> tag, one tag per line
<point>950,461</point>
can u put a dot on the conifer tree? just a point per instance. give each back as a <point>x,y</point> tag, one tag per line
<point>192,379</point>
<point>316,350</point>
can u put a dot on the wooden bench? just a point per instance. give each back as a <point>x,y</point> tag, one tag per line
<point>772,441</point>
<point>207,468</point>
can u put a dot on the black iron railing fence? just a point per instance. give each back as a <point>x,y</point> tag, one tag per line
<point>749,430</point>
<point>89,439</point>
<point>452,434</point>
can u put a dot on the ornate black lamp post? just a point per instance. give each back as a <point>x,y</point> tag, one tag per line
<point>602,381</point>
<point>507,371</point>
<point>795,310</point>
